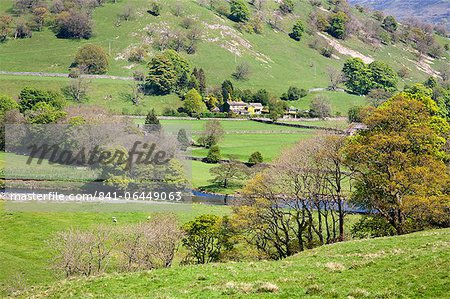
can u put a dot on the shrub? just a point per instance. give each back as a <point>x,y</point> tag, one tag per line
<point>239,11</point>
<point>294,94</point>
<point>354,114</point>
<point>338,25</point>
<point>155,8</point>
<point>207,236</point>
<point>297,30</point>
<point>91,59</point>
<point>372,227</point>
<point>255,158</point>
<point>214,155</point>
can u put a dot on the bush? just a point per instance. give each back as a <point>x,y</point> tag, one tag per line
<point>294,94</point>
<point>297,30</point>
<point>91,59</point>
<point>207,236</point>
<point>354,114</point>
<point>214,155</point>
<point>255,158</point>
<point>321,107</point>
<point>239,11</point>
<point>372,227</point>
<point>155,8</point>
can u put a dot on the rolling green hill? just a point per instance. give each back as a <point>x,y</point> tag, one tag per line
<point>276,61</point>
<point>435,11</point>
<point>409,266</point>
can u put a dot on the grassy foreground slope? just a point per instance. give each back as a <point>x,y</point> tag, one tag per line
<point>409,266</point>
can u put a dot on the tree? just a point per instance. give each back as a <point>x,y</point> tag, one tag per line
<point>261,96</point>
<point>206,238</point>
<point>336,77</point>
<point>29,97</point>
<point>228,172</point>
<point>390,24</point>
<point>308,179</point>
<point>361,78</point>
<point>155,8</point>
<point>214,155</point>
<point>321,107</point>
<point>76,25</point>
<point>276,108</point>
<point>91,59</point>
<point>166,72</point>
<point>5,30</point>
<point>255,158</point>
<point>193,103</point>
<point>242,71</point>
<point>383,76</point>
<point>212,133</point>
<point>399,160</point>
<point>39,15</point>
<point>294,94</point>
<point>239,11</point>
<point>227,90</point>
<point>152,122</point>
<point>297,30</point>
<point>77,90</point>
<point>201,79</point>
<point>286,6</point>
<point>338,25</point>
<point>183,139</point>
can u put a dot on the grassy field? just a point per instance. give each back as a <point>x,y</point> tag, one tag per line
<point>24,253</point>
<point>409,266</point>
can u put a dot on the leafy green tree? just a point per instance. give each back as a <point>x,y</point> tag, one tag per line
<point>207,236</point>
<point>152,121</point>
<point>399,161</point>
<point>166,71</point>
<point>255,158</point>
<point>227,90</point>
<point>390,24</point>
<point>91,59</point>
<point>383,76</point>
<point>297,30</point>
<point>361,78</point>
<point>338,25</point>
<point>261,96</point>
<point>294,94</point>
<point>193,103</point>
<point>29,97</point>
<point>239,11</point>
<point>276,108</point>
<point>214,155</point>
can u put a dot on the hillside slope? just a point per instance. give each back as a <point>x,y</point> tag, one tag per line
<point>435,11</point>
<point>276,60</point>
<point>409,266</point>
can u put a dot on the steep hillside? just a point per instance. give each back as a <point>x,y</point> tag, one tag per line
<point>434,11</point>
<point>276,60</point>
<point>409,266</point>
